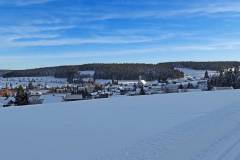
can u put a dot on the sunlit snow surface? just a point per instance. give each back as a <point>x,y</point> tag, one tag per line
<point>198,74</point>
<point>191,126</point>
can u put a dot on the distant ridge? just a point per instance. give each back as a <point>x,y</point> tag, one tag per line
<point>211,65</point>
<point>124,71</point>
<point>2,72</point>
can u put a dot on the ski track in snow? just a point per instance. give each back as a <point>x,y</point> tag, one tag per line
<point>190,126</point>
<point>224,142</point>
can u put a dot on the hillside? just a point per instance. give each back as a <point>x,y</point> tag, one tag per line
<point>199,126</point>
<point>128,71</point>
<point>2,72</point>
<point>214,66</point>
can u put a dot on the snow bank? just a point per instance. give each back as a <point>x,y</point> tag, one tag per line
<point>203,125</point>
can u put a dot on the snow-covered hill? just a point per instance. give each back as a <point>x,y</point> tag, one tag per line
<point>191,126</point>
<point>198,74</point>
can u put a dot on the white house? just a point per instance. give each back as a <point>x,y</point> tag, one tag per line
<point>171,88</point>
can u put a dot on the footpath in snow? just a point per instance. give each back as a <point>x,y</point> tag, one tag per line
<point>191,126</point>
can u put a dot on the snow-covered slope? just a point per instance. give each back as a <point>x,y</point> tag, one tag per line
<point>191,126</point>
<point>198,74</point>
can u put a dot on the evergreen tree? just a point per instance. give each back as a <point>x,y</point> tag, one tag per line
<point>142,92</point>
<point>206,76</point>
<point>21,97</point>
<point>190,86</point>
<point>180,87</point>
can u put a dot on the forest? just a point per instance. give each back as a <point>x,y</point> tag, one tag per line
<point>230,78</point>
<point>214,66</point>
<point>127,71</point>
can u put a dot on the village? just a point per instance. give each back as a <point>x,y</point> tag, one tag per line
<point>38,90</point>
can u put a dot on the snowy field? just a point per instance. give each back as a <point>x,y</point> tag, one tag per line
<point>197,74</point>
<point>49,81</point>
<point>52,98</point>
<point>191,126</point>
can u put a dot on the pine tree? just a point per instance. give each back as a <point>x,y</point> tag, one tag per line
<point>21,97</point>
<point>206,76</point>
<point>180,86</point>
<point>190,86</point>
<point>142,92</point>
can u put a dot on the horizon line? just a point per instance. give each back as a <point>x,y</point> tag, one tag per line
<point>68,65</point>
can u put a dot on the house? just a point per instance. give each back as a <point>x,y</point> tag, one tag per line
<point>73,97</point>
<point>141,82</point>
<point>171,88</point>
<point>35,97</point>
<point>222,88</point>
<point>7,92</point>
<point>89,88</point>
<point>10,101</point>
<point>203,85</point>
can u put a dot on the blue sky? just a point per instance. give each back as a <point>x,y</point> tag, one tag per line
<point>37,33</point>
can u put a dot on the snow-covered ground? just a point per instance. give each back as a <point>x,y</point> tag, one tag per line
<point>52,98</point>
<point>189,126</point>
<point>198,74</point>
<point>49,81</point>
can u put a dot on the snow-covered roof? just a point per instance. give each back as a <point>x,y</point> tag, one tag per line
<point>143,82</point>
<point>166,127</point>
<point>5,101</point>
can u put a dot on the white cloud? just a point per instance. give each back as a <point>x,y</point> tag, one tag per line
<point>11,43</point>
<point>42,36</point>
<point>33,29</point>
<point>10,35</point>
<point>204,10</point>
<point>224,45</point>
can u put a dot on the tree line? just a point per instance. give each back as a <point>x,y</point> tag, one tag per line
<point>127,71</point>
<point>229,78</point>
<point>2,72</point>
<point>215,66</point>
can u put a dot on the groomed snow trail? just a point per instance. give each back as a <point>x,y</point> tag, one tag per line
<point>191,126</point>
<point>214,136</point>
